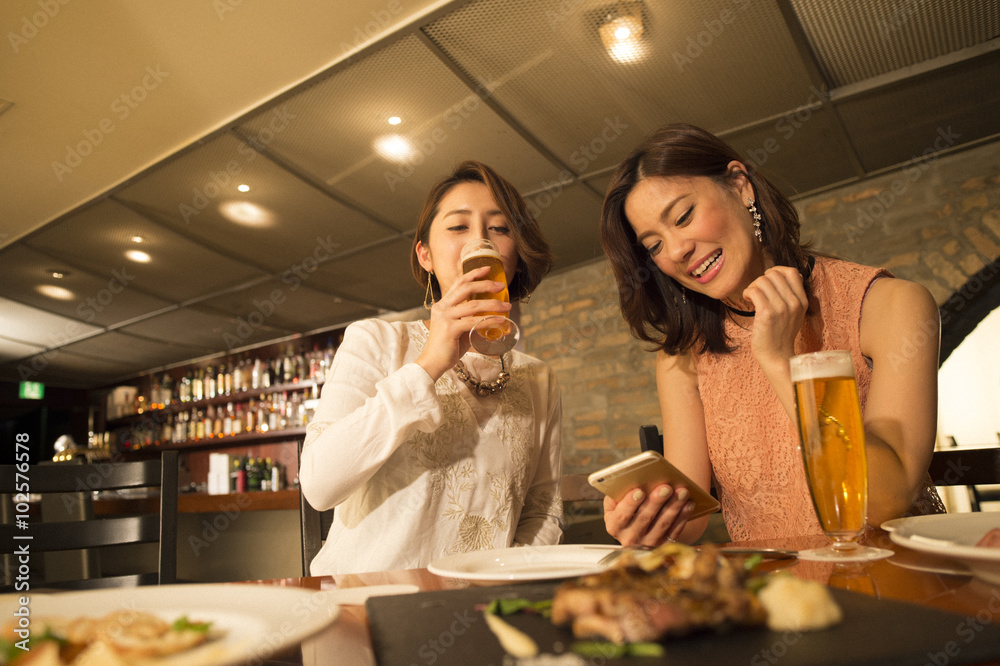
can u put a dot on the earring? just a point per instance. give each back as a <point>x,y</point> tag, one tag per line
<point>429,295</point>
<point>752,208</point>
<point>684,295</point>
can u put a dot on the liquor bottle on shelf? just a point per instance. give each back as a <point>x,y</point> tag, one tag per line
<point>277,477</point>
<point>167,396</point>
<point>227,423</point>
<point>253,474</point>
<point>256,372</point>
<point>198,385</point>
<point>238,420</point>
<point>250,417</point>
<point>184,388</point>
<point>237,373</point>
<point>209,381</point>
<point>221,383</point>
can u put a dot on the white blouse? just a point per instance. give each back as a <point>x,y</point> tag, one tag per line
<point>418,470</point>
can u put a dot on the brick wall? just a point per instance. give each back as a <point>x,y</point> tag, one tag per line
<point>936,222</point>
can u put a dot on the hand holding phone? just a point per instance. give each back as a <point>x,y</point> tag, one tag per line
<point>646,471</point>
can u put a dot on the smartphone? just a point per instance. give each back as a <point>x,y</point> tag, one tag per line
<point>647,470</point>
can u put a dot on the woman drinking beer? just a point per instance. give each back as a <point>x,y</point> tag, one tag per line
<point>711,272</point>
<point>424,447</point>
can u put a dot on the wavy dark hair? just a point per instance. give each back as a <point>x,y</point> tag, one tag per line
<point>653,305</point>
<point>535,257</point>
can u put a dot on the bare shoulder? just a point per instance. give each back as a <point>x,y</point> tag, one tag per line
<point>894,308</point>
<point>676,368</point>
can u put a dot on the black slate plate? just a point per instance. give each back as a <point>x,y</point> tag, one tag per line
<point>444,628</point>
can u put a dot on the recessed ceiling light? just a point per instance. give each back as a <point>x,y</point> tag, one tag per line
<point>395,120</point>
<point>244,188</point>
<point>55,292</point>
<point>247,213</point>
<point>394,147</point>
<point>138,256</point>
<point>58,275</point>
<point>137,239</point>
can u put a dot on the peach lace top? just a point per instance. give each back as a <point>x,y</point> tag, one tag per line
<point>753,445</point>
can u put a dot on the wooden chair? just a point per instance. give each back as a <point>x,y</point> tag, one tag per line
<point>969,467</point>
<point>73,485</point>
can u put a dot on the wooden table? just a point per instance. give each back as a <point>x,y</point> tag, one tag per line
<point>908,576</point>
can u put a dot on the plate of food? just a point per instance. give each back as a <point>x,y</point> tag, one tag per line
<point>528,563</point>
<point>972,539</point>
<point>170,625</point>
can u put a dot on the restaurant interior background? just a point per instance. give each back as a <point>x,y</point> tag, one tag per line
<point>183,181</point>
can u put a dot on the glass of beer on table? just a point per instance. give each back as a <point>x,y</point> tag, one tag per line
<point>832,435</point>
<point>496,333</point>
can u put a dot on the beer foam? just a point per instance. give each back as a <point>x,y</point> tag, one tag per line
<point>820,365</point>
<point>468,253</point>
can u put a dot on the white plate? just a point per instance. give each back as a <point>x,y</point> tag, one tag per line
<point>253,621</point>
<point>523,563</point>
<point>953,536</point>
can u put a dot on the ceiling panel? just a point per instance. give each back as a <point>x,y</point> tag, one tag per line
<point>132,351</point>
<point>289,219</point>
<point>178,269</point>
<point>197,328</point>
<point>545,64</point>
<point>32,325</point>
<point>11,350</point>
<point>857,40</point>
<point>336,124</point>
<point>101,299</point>
<point>380,276</point>
<point>287,304</point>
<point>955,107</point>
<point>802,151</point>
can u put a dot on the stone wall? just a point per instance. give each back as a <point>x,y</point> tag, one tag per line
<point>936,222</point>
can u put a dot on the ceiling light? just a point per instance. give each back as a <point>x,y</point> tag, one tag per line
<point>395,120</point>
<point>243,188</point>
<point>622,33</point>
<point>58,275</point>
<point>55,292</point>
<point>137,239</point>
<point>394,148</point>
<point>138,256</point>
<point>247,213</point>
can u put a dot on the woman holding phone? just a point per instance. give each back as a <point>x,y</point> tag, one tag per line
<point>711,272</point>
<point>424,447</point>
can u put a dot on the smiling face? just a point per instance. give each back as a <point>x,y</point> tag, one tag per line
<point>466,212</point>
<point>698,232</point>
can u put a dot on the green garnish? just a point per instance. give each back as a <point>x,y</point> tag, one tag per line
<point>753,561</point>
<point>183,624</point>
<point>610,650</point>
<point>511,606</point>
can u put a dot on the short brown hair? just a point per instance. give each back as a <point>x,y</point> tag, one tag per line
<point>534,255</point>
<point>655,307</point>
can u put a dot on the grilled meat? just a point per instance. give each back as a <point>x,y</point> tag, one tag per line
<point>673,590</point>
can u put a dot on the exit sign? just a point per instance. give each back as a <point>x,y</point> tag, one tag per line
<point>31,390</point>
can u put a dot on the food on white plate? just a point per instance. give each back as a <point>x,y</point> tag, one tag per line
<point>121,638</point>
<point>991,539</point>
<point>675,590</point>
<point>793,604</point>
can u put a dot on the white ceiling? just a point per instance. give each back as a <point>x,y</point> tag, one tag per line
<point>140,118</point>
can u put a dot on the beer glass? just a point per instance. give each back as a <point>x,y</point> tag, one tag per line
<point>833,449</point>
<point>496,333</point>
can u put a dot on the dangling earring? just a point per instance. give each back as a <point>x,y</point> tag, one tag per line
<point>429,295</point>
<point>752,207</point>
<point>684,295</point>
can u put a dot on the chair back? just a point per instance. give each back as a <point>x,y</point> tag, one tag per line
<point>72,484</point>
<point>969,467</point>
<point>314,525</point>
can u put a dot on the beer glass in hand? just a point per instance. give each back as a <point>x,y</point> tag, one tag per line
<point>833,449</point>
<point>495,334</point>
